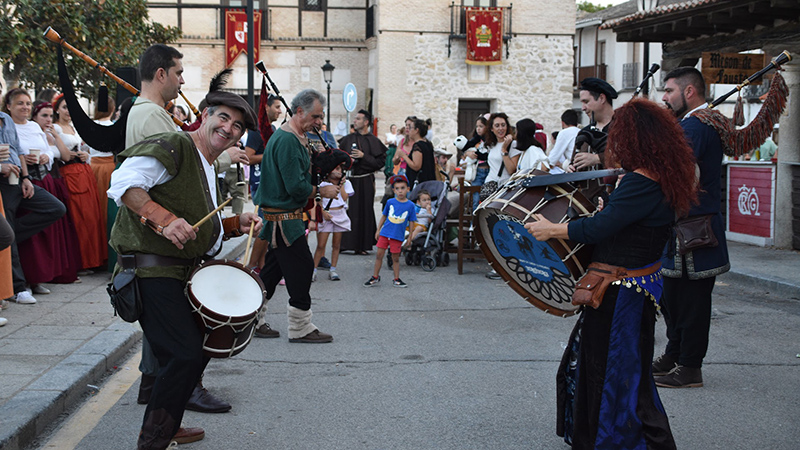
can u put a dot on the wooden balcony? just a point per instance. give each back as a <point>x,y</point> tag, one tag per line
<point>598,71</point>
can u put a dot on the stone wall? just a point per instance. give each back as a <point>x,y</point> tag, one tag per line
<point>417,77</point>
<point>406,63</point>
<point>535,81</point>
<point>529,17</point>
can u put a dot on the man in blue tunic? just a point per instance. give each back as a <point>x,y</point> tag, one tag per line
<point>689,277</point>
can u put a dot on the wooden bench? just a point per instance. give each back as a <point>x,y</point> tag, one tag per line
<point>467,245</point>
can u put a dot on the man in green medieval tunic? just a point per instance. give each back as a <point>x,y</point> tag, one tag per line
<point>284,190</point>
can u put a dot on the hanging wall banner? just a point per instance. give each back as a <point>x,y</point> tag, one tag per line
<point>236,34</point>
<point>484,36</point>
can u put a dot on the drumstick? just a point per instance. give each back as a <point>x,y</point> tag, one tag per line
<point>249,240</point>
<point>211,214</point>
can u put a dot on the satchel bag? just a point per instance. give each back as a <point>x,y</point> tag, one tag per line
<point>695,232</point>
<point>598,277</point>
<point>125,296</point>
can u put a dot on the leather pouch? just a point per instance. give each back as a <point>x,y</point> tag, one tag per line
<point>593,284</point>
<point>695,232</point>
<point>125,296</point>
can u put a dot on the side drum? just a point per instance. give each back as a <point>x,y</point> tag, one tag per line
<point>225,299</point>
<point>543,273</point>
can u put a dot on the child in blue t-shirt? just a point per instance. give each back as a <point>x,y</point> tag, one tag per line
<point>397,214</point>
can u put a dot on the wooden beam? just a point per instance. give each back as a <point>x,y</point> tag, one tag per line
<point>664,28</point>
<point>784,3</point>
<point>787,13</point>
<point>699,21</point>
<point>785,37</point>
<point>721,17</point>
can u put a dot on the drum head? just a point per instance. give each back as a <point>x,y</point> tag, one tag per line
<point>227,290</point>
<point>543,273</point>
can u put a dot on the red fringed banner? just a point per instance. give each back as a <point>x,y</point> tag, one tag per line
<point>738,142</point>
<point>236,35</point>
<point>484,36</point>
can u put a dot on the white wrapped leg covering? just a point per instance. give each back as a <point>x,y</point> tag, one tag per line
<point>299,322</point>
<point>261,316</point>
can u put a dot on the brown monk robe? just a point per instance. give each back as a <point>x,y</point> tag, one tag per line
<point>361,236</point>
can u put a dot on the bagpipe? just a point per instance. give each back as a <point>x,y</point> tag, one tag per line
<point>106,138</point>
<point>322,162</point>
<point>736,142</point>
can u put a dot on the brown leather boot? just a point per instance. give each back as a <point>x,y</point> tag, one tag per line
<point>681,377</point>
<point>187,435</point>
<point>315,337</point>
<point>663,365</point>
<point>265,331</point>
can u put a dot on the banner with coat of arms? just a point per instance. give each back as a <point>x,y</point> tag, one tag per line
<point>236,34</point>
<point>484,36</point>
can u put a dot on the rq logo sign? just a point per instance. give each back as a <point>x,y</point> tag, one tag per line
<point>748,201</point>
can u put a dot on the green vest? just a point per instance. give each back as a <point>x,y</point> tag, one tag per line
<point>187,195</point>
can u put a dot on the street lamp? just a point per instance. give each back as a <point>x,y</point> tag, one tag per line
<point>327,73</point>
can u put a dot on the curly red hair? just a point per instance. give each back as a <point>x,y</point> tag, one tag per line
<point>646,136</point>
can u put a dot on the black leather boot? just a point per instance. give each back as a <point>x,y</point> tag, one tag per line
<point>145,389</point>
<point>202,401</point>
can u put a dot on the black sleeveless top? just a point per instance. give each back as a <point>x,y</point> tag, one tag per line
<point>633,228</point>
<point>428,170</point>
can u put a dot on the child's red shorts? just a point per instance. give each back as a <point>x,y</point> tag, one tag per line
<point>392,244</point>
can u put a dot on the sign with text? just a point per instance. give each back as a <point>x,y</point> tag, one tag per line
<point>236,34</point>
<point>484,36</point>
<point>751,189</point>
<point>731,68</point>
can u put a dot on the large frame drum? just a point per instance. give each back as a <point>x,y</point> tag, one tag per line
<point>543,273</point>
<point>225,299</point>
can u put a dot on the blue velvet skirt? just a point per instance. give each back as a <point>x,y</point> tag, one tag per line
<point>606,395</point>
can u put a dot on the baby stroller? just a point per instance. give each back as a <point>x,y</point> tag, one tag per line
<point>428,247</point>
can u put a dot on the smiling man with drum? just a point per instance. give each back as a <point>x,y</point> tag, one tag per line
<point>167,183</point>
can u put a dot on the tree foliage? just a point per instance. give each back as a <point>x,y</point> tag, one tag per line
<point>591,7</point>
<point>114,33</point>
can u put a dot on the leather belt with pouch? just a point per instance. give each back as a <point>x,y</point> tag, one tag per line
<point>271,216</point>
<point>695,232</point>
<point>124,290</point>
<point>150,260</point>
<point>598,277</point>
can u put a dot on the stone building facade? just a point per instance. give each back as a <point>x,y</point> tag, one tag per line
<point>398,54</point>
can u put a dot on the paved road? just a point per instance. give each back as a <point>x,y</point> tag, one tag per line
<point>459,362</point>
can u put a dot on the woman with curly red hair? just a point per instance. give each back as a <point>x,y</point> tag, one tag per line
<point>606,394</point>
